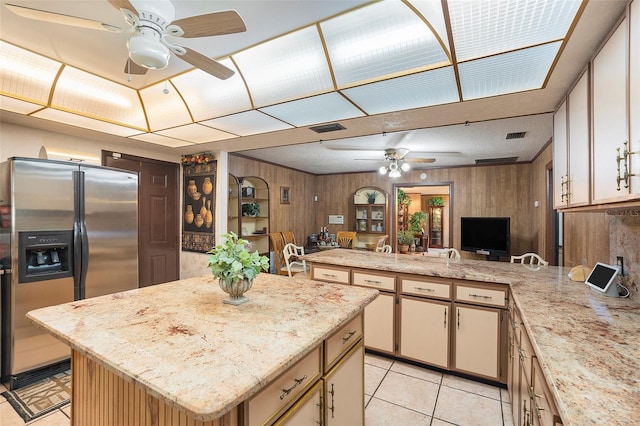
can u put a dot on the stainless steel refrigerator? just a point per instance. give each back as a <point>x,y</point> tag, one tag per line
<point>72,234</point>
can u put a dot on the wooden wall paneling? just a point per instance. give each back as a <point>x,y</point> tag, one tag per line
<point>539,243</point>
<point>586,236</point>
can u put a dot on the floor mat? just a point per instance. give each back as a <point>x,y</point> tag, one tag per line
<point>42,397</point>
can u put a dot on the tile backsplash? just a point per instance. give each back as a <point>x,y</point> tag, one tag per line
<point>624,234</point>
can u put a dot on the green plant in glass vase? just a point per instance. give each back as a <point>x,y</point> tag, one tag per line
<point>235,267</point>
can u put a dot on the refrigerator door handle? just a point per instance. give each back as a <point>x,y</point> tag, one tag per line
<point>80,242</point>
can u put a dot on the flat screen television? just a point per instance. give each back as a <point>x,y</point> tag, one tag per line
<point>485,235</point>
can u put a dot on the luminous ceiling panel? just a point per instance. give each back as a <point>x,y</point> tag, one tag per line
<point>374,42</point>
<point>512,72</point>
<point>247,123</point>
<point>482,28</point>
<point>195,133</point>
<point>208,96</point>
<point>164,110</point>
<point>288,67</point>
<point>318,109</point>
<point>84,122</point>
<point>413,91</point>
<point>432,12</point>
<point>161,140</point>
<point>90,95</point>
<point>25,75</point>
<point>15,105</point>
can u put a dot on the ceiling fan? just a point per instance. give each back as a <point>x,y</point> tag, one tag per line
<point>397,163</point>
<point>149,23</point>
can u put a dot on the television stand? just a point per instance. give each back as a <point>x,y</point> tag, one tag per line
<point>493,258</point>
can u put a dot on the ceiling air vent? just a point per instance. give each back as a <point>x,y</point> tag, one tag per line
<point>497,160</point>
<point>516,135</point>
<point>327,128</point>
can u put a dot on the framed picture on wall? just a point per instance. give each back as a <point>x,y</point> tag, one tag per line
<point>198,210</point>
<point>284,195</point>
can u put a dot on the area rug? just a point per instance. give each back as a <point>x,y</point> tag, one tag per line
<point>42,397</point>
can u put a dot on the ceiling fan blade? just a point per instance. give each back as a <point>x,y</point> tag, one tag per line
<point>58,18</point>
<point>419,160</point>
<point>123,4</point>
<point>132,68</point>
<point>211,24</point>
<point>206,64</point>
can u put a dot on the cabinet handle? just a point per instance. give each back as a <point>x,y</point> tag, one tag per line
<point>329,275</point>
<point>445,317</point>
<point>625,156</point>
<point>286,392</point>
<point>430,290</point>
<point>332,407</point>
<point>458,319</point>
<point>480,295</point>
<point>373,281</point>
<point>345,339</point>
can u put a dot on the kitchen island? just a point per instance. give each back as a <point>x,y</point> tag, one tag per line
<point>174,352</point>
<point>587,344</point>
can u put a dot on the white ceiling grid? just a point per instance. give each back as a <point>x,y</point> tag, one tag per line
<point>379,58</point>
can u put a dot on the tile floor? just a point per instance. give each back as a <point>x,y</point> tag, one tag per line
<point>396,393</point>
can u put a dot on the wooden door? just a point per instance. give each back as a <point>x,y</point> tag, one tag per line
<point>158,227</point>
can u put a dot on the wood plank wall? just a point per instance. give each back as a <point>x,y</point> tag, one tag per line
<point>539,243</point>
<point>497,190</point>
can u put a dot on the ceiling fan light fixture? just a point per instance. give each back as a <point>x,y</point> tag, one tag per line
<point>383,170</point>
<point>393,167</point>
<point>405,167</point>
<point>394,173</point>
<point>148,52</point>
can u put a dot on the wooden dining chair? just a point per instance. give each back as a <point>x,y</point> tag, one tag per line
<point>289,237</point>
<point>529,259</point>
<point>382,240</point>
<point>277,245</point>
<point>450,253</point>
<point>346,239</point>
<point>295,265</point>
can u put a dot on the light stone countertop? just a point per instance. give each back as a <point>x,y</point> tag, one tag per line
<point>181,343</point>
<point>588,344</point>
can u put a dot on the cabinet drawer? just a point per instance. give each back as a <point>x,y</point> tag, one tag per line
<point>341,341</point>
<point>481,295</point>
<point>430,288</point>
<point>270,401</point>
<point>330,274</point>
<point>379,281</point>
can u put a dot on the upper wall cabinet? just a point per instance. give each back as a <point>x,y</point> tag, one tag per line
<point>560,159</point>
<point>634,98</point>
<point>610,115</point>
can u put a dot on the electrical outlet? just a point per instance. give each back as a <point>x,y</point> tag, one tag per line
<point>620,263</point>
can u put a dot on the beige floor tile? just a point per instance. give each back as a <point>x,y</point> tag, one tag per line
<point>418,372</point>
<point>56,418</point>
<point>471,386</point>
<point>438,422</point>
<point>468,409</point>
<point>380,412</point>
<point>507,414</point>
<point>372,378</point>
<point>409,392</point>
<point>8,416</point>
<point>504,395</point>
<point>67,410</point>
<point>377,360</point>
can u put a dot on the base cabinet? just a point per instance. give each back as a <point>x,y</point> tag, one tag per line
<point>424,331</point>
<point>477,340</point>
<point>344,390</point>
<point>378,323</point>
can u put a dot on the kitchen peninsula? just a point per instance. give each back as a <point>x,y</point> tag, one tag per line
<point>173,352</point>
<point>586,345</point>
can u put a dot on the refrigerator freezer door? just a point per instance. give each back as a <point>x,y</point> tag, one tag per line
<point>111,217</point>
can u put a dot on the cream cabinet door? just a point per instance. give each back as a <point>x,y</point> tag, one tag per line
<point>560,161</point>
<point>609,116</point>
<point>634,98</point>
<point>307,411</point>
<point>379,320</point>
<point>578,143</point>
<point>344,390</point>
<point>476,340</point>
<point>424,331</point>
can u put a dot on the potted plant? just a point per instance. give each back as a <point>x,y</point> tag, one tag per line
<point>436,201</point>
<point>235,267</point>
<point>403,198</point>
<point>417,221</point>
<point>405,239</point>
<point>250,209</point>
<point>371,196</point>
